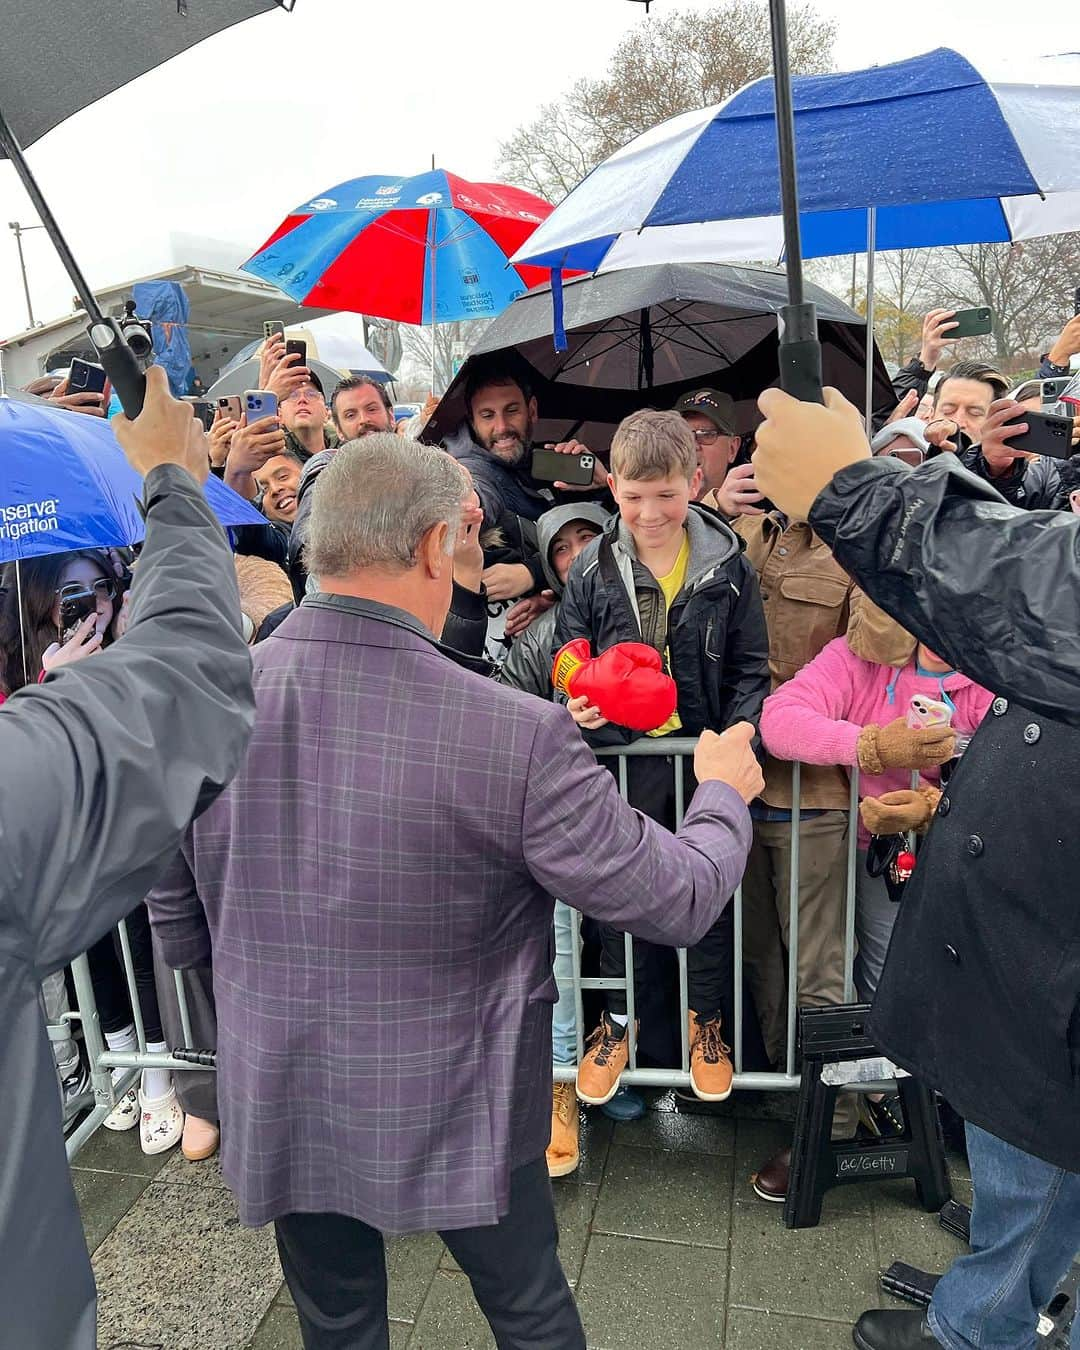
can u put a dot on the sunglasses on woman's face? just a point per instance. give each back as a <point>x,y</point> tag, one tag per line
<point>102,589</point>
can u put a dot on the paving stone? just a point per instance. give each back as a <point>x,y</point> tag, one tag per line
<point>646,1294</point>
<point>411,1262</point>
<point>450,1318</point>
<point>179,1270</point>
<point>281,1331</point>
<point>104,1198</point>
<point>574,1206</point>
<point>830,1271</point>
<point>675,1131</point>
<point>674,1197</point>
<point>119,1151</point>
<point>179,1171</point>
<point>750,1329</point>
<point>755,1143</point>
<point>906,1232</point>
<point>594,1139</point>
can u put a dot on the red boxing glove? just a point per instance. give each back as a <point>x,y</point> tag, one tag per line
<point>627,682</point>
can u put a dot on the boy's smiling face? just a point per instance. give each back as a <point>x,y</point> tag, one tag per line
<point>654,510</point>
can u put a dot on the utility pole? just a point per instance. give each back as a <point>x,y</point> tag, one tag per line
<point>19,231</point>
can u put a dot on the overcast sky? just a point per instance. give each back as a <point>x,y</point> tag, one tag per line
<point>227,138</point>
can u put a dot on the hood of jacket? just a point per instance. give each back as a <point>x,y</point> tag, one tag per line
<point>551,522</point>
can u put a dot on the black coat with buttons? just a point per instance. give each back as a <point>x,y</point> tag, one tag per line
<point>980,996</point>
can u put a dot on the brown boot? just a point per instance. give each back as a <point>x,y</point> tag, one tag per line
<point>771,1181</point>
<point>607,1052</point>
<point>562,1152</point>
<point>711,1071</point>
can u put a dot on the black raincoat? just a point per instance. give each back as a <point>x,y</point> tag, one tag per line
<point>981,991</point>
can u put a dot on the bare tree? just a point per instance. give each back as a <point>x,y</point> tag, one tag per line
<point>452,343</point>
<point>901,300</point>
<point>661,68</point>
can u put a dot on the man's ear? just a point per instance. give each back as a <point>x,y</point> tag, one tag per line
<point>432,552</point>
<point>533,411</point>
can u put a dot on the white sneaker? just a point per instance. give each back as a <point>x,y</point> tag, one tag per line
<point>162,1122</point>
<point>125,1114</point>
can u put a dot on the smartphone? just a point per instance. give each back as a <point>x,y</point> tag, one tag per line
<point>73,609</point>
<point>1047,434</point>
<point>912,456</point>
<point>1053,388</point>
<point>259,403</point>
<point>971,323</point>
<point>924,711</point>
<point>294,346</point>
<point>204,411</point>
<point>272,328</point>
<point>551,467</point>
<point>230,407</point>
<point>85,378</point>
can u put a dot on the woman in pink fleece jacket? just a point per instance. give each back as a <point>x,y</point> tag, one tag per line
<point>841,709</point>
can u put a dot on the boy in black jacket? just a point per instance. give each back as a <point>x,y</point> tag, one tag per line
<point>669,573</point>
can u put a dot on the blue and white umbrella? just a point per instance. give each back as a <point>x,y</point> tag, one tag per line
<point>943,152</point>
<point>65,483</point>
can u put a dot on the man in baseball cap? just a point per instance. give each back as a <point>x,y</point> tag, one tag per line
<point>710,415</point>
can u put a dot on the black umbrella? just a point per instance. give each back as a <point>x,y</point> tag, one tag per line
<point>642,337</point>
<point>59,56</point>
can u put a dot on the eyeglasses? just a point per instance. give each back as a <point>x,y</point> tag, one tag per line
<point>102,589</point>
<point>306,390</point>
<point>706,435</point>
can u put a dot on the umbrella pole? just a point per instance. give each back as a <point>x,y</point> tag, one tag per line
<point>871,248</point>
<point>800,351</point>
<point>116,356</point>
<point>431,253</point>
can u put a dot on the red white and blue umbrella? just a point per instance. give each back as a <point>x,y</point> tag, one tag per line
<point>423,250</point>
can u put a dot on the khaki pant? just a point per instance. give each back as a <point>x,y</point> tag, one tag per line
<point>766,928</point>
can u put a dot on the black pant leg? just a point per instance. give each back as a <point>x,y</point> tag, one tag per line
<point>110,986</point>
<point>515,1272</point>
<point>142,961</point>
<point>710,971</point>
<point>335,1268</point>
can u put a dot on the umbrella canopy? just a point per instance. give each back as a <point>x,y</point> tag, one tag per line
<point>246,376</point>
<point>641,338</point>
<point>423,250</point>
<point>65,483</point>
<point>62,56</point>
<point>868,138</point>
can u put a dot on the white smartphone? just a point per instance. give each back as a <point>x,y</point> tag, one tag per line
<point>924,711</point>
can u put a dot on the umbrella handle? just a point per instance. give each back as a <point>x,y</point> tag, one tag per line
<point>800,353</point>
<point>121,365</point>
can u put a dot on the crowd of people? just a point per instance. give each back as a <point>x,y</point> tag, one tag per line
<point>671,545</point>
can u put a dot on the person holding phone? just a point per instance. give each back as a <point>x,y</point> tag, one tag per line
<point>980,995</point>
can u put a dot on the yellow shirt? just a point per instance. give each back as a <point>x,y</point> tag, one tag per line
<point>671,585</point>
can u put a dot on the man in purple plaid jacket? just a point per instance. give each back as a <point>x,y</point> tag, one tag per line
<point>376,887</point>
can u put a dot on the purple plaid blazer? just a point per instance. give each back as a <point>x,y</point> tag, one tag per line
<point>376,885</point>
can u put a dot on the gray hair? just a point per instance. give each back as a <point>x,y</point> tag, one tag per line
<point>375,501</point>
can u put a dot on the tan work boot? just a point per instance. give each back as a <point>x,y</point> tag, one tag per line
<point>607,1052</point>
<point>711,1071</point>
<point>562,1152</point>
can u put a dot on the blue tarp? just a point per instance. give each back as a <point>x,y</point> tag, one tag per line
<point>166,306</point>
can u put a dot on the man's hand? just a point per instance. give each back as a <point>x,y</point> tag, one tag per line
<point>942,433</point>
<point>519,616</point>
<point>599,473</point>
<point>165,432</point>
<point>253,445</point>
<point>800,446</point>
<point>1067,344</point>
<point>506,581</point>
<point>737,494</point>
<point>729,759</point>
<point>220,437</point>
<point>280,374</point>
<point>935,329</point>
<point>91,404</point>
<point>468,555</point>
<point>999,455</point>
<point>906,407</point>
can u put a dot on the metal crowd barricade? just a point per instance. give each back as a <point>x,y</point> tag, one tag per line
<point>104,1094</point>
<point>679,749</point>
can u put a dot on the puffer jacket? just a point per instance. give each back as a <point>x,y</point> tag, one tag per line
<point>1034,484</point>
<point>714,634</point>
<point>528,665</point>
